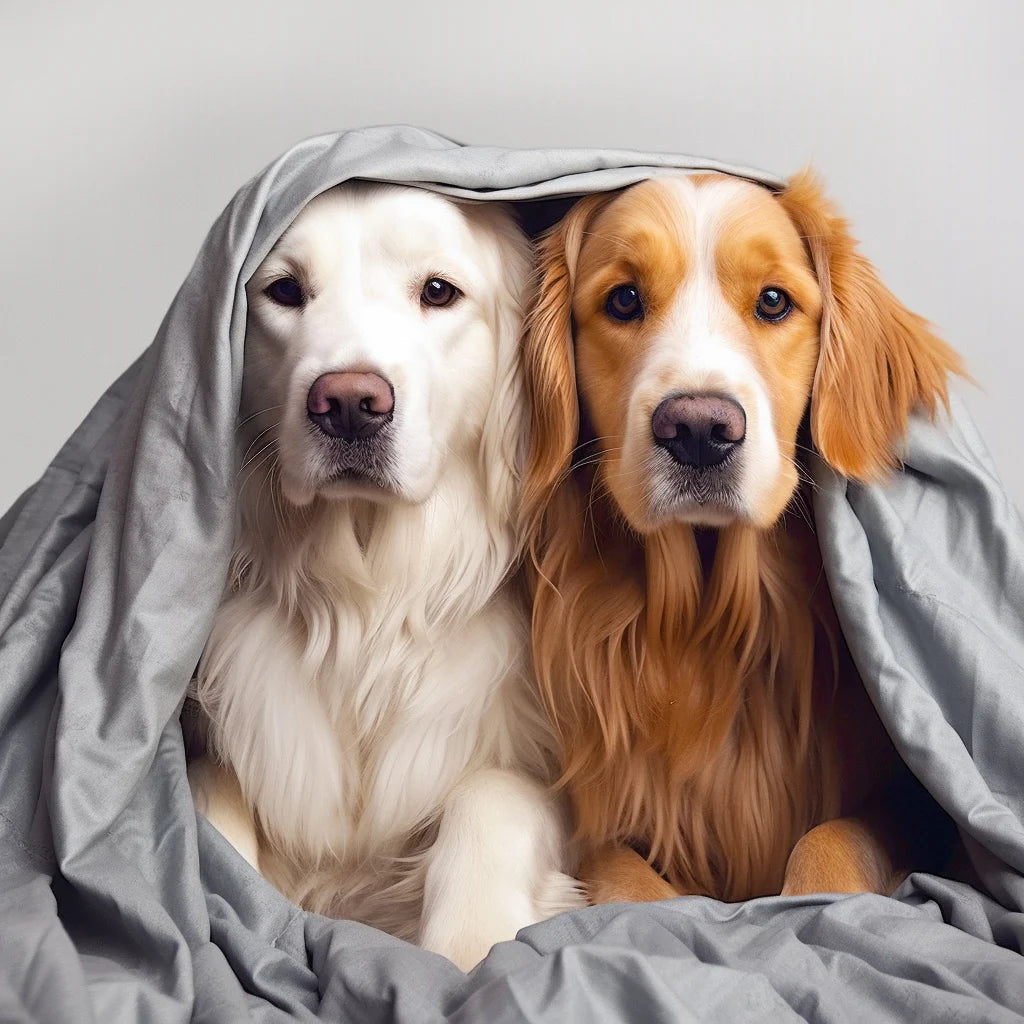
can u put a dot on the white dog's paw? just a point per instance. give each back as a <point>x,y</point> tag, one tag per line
<point>468,937</point>
<point>465,951</point>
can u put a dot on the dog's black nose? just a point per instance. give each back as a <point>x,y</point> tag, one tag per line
<point>351,406</point>
<point>699,430</point>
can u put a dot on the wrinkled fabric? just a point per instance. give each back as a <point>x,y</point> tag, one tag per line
<point>117,904</point>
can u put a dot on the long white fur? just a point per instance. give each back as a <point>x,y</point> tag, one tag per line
<point>367,678</point>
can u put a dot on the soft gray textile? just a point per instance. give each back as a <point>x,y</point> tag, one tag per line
<point>117,905</point>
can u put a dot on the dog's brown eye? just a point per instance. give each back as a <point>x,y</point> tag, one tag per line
<point>772,304</point>
<point>624,303</point>
<point>439,292</point>
<point>285,291</point>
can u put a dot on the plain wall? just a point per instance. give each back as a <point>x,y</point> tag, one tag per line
<point>126,129</point>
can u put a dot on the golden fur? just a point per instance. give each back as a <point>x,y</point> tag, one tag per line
<point>696,676</point>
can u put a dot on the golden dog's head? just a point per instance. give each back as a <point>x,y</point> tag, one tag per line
<point>692,320</point>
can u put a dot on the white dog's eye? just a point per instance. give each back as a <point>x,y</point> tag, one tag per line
<point>439,292</point>
<point>773,304</point>
<point>285,291</point>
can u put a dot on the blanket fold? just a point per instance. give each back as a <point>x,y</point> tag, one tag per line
<point>116,903</point>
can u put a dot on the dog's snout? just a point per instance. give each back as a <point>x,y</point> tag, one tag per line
<point>699,430</point>
<point>350,405</point>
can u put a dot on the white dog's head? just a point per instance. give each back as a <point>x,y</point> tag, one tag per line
<point>383,340</point>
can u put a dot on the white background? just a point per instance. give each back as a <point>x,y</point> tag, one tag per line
<point>124,130</point>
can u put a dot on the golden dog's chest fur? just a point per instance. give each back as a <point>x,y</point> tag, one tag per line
<point>720,753</point>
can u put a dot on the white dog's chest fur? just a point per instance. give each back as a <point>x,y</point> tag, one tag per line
<point>349,734</point>
<point>363,749</point>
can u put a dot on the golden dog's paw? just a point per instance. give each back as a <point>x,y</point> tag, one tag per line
<point>618,874</point>
<point>838,856</point>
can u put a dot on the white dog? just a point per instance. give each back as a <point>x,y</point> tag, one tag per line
<point>376,748</point>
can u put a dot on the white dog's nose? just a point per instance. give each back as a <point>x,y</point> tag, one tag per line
<point>351,406</point>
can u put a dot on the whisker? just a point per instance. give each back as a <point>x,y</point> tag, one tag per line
<point>253,470</point>
<point>271,408</point>
<point>268,445</point>
<point>256,440</point>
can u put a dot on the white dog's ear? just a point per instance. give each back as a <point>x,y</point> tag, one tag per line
<point>503,446</point>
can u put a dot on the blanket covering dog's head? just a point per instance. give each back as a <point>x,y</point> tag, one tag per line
<point>113,568</point>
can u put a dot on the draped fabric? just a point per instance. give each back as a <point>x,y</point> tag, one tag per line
<point>118,904</point>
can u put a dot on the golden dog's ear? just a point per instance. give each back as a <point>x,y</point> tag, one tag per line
<point>878,360</point>
<point>550,365</point>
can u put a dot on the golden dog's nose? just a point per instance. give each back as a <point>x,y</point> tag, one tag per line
<point>351,406</point>
<point>699,430</point>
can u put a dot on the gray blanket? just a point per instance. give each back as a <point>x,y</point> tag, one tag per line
<point>116,904</point>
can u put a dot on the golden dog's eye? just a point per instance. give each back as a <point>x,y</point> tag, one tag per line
<point>285,291</point>
<point>623,303</point>
<point>439,292</point>
<point>773,304</point>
